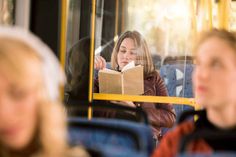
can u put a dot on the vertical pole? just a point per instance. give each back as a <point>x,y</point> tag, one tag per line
<point>223,14</point>
<point>63,30</point>
<point>117,18</point>
<point>63,16</point>
<point>91,59</point>
<point>210,14</point>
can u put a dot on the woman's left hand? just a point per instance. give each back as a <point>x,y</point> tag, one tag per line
<point>124,103</point>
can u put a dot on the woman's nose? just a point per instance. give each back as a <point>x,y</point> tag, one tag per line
<point>126,56</point>
<point>202,73</point>
<point>5,108</point>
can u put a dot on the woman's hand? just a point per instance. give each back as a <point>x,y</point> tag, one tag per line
<point>124,103</point>
<point>99,63</point>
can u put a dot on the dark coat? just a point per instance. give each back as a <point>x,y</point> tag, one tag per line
<point>206,138</point>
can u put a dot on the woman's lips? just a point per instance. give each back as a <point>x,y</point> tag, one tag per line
<point>124,62</point>
<point>9,132</point>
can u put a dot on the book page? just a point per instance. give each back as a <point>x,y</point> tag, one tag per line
<point>128,66</point>
<point>130,81</point>
<point>133,81</point>
<point>105,70</point>
<point>110,82</point>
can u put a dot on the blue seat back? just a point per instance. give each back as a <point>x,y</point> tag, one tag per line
<point>156,61</point>
<point>178,80</point>
<point>106,134</point>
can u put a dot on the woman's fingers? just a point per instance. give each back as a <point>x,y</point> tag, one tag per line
<point>99,63</point>
<point>124,103</point>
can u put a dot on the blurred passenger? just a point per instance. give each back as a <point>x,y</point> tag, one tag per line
<point>32,119</point>
<point>214,85</point>
<point>77,72</point>
<point>131,46</point>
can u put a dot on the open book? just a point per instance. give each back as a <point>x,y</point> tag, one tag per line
<point>128,81</point>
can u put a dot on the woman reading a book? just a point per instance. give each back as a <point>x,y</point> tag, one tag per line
<point>131,46</point>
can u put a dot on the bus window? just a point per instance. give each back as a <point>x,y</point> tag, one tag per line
<point>7,12</point>
<point>78,13</point>
<point>168,34</point>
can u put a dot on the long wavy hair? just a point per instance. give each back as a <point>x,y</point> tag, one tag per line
<point>143,56</point>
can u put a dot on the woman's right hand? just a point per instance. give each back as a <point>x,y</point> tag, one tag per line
<point>124,103</point>
<point>99,63</point>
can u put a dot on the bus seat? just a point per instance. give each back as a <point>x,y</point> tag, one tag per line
<point>113,152</point>
<point>108,110</point>
<point>178,80</point>
<point>107,134</point>
<point>156,61</point>
<point>177,60</point>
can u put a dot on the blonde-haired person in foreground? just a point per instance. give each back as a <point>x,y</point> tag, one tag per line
<point>214,81</point>
<point>32,119</point>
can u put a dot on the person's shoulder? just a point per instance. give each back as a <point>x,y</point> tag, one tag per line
<point>180,130</point>
<point>184,128</point>
<point>77,151</point>
<point>170,142</point>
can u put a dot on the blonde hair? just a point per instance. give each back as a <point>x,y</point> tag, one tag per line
<point>143,56</point>
<point>16,57</point>
<point>228,37</point>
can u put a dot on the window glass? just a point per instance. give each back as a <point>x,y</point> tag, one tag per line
<point>168,29</point>
<point>7,12</point>
<point>232,13</point>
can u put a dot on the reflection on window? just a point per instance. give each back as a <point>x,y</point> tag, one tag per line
<point>6,12</point>
<point>165,24</point>
<point>167,28</point>
<point>73,23</point>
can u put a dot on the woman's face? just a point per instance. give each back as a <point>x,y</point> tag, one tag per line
<point>18,112</point>
<point>214,77</point>
<point>127,52</point>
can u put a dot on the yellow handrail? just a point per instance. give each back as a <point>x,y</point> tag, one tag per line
<point>156,99</point>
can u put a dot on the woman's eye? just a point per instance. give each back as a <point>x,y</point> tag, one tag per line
<point>17,94</point>
<point>133,53</point>
<point>216,64</point>
<point>122,51</point>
